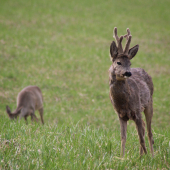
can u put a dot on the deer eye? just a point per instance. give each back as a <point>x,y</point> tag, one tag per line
<point>119,63</point>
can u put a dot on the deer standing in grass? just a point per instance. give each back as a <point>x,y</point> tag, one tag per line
<point>131,91</point>
<point>28,100</point>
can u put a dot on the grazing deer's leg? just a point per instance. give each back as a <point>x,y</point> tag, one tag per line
<point>141,130</point>
<point>33,117</point>
<point>25,117</point>
<point>123,128</point>
<point>148,114</point>
<point>23,113</point>
<point>41,115</point>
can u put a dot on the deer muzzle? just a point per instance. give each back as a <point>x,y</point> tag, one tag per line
<point>127,74</point>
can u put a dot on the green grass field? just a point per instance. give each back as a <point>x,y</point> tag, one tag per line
<point>63,47</point>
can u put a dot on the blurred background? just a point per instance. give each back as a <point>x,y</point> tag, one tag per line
<point>63,47</point>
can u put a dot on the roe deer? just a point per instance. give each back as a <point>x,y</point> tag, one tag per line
<point>28,100</point>
<point>131,91</point>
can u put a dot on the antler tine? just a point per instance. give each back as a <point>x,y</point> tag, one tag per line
<point>118,40</point>
<point>115,35</point>
<point>128,38</point>
<point>128,33</point>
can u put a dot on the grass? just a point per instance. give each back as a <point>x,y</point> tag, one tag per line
<point>76,147</point>
<point>63,47</point>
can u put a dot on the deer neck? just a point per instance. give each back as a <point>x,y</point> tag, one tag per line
<point>118,86</point>
<point>121,85</point>
<point>119,89</point>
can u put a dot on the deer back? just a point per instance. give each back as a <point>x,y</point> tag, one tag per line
<point>30,97</point>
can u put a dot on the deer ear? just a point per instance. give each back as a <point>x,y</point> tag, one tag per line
<point>113,50</point>
<point>133,51</point>
<point>8,110</point>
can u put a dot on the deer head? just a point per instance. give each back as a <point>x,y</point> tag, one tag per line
<point>121,58</point>
<point>14,114</point>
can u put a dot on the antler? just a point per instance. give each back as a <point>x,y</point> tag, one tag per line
<point>128,33</point>
<point>128,37</point>
<point>118,40</point>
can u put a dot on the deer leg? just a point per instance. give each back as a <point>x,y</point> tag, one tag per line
<point>41,115</point>
<point>141,149</point>
<point>25,117</point>
<point>141,130</point>
<point>22,114</point>
<point>148,115</point>
<point>33,117</point>
<point>123,128</point>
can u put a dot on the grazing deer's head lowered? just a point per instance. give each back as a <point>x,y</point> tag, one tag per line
<point>131,91</point>
<point>28,100</point>
<point>13,115</point>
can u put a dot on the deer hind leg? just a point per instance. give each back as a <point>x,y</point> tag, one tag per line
<point>33,117</point>
<point>25,117</point>
<point>41,115</point>
<point>148,114</point>
<point>141,149</point>
<point>141,131</point>
<point>123,128</point>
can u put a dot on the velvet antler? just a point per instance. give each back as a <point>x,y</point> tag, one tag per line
<point>118,40</point>
<point>128,37</point>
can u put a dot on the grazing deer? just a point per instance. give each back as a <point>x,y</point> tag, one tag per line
<point>131,91</point>
<point>28,100</point>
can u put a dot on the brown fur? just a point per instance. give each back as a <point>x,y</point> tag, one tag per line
<point>28,100</point>
<point>131,91</point>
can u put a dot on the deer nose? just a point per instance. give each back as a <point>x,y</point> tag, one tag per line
<point>128,74</point>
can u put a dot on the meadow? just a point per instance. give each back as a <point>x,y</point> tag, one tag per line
<point>63,47</point>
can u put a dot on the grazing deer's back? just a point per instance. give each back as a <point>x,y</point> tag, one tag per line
<point>30,96</point>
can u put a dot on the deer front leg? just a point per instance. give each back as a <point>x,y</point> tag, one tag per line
<point>141,131</point>
<point>23,114</point>
<point>25,117</point>
<point>41,115</point>
<point>123,128</point>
